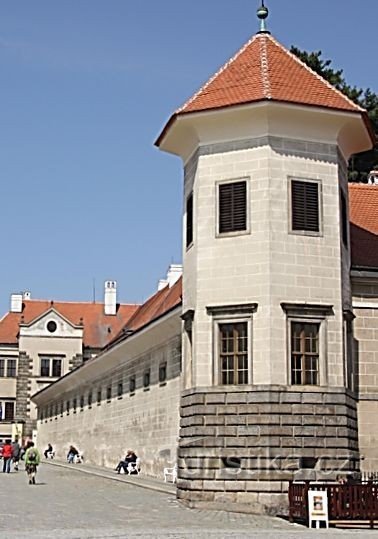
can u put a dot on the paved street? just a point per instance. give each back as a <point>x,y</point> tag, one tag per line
<point>66,503</point>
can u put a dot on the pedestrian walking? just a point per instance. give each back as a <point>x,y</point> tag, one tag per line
<point>16,453</point>
<point>7,456</point>
<point>32,460</point>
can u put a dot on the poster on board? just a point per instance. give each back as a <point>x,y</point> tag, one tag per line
<point>317,507</point>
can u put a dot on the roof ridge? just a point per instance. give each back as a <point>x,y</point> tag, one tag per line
<point>322,79</point>
<point>264,65</point>
<point>220,70</point>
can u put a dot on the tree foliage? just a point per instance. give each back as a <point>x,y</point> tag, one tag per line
<point>360,164</point>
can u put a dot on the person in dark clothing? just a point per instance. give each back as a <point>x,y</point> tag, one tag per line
<point>123,464</point>
<point>49,452</point>
<point>72,453</point>
<point>16,453</point>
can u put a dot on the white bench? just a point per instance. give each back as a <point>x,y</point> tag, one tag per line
<point>170,473</point>
<point>134,467</point>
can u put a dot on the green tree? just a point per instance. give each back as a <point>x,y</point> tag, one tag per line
<point>360,164</point>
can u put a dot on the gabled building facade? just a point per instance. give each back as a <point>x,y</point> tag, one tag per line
<point>40,341</point>
<point>278,318</point>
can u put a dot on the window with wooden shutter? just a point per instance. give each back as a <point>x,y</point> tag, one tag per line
<point>232,207</point>
<point>189,220</point>
<point>305,206</point>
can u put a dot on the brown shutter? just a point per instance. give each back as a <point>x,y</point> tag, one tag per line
<point>305,205</point>
<point>232,207</point>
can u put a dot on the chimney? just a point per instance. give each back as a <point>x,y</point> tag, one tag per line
<point>162,284</point>
<point>16,303</point>
<point>174,273</point>
<point>110,298</point>
<point>373,177</point>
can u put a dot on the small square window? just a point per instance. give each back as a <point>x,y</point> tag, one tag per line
<point>132,385</point>
<point>162,373</point>
<point>146,379</point>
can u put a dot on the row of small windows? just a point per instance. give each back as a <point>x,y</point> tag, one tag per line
<point>49,368</point>
<point>75,403</point>
<point>232,202</point>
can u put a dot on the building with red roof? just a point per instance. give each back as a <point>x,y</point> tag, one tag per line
<point>266,351</point>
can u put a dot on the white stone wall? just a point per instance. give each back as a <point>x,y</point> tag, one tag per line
<point>365,302</point>
<point>146,422</point>
<point>268,265</point>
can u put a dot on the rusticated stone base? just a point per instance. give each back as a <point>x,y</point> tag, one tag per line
<point>240,446</point>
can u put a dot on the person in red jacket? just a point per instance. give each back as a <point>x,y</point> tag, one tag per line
<point>7,456</point>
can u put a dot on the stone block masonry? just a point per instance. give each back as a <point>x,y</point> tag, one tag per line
<point>241,446</point>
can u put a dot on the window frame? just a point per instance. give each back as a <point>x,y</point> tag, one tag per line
<point>190,197</point>
<point>5,403</point>
<point>52,362</point>
<point>5,370</point>
<point>146,379</point>
<point>232,233</point>
<point>308,313</point>
<point>163,369</point>
<point>132,385</point>
<point>231,314</point>
<point>320,207</point>
<point>303,354</point>
<point>344,219</point>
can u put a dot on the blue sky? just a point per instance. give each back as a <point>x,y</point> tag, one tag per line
<point>86,86</point>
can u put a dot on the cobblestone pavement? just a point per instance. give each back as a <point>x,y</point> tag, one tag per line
<point>68,504</point>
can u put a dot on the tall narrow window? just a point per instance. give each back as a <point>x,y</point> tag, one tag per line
<point>45,367</point>
<point>120,389</point>
<point>189,220</point>
<point>99,396</point>
<point>132,385</point>
<point>233,353</point>
<point>304,353</point>
<point>305,206</point>
<point>9,411</point>
<point>56,367</point>
<point>11,368</point>
<point>2,367</point>
<point>109,393</point>
<point>90,399</point>
<point>344,219</point>
<point>232,207</point>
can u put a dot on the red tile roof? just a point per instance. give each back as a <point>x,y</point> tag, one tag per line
<point>264,69</point>
<point>157,305</point>
<point>363,214</point>
<point>99,328</point>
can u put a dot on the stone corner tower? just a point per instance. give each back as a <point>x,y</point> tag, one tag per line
<point>268,392</point>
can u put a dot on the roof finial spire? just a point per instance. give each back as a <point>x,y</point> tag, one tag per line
<point>262,14</point>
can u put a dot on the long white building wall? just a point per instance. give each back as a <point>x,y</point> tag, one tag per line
<point>146,421</point>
